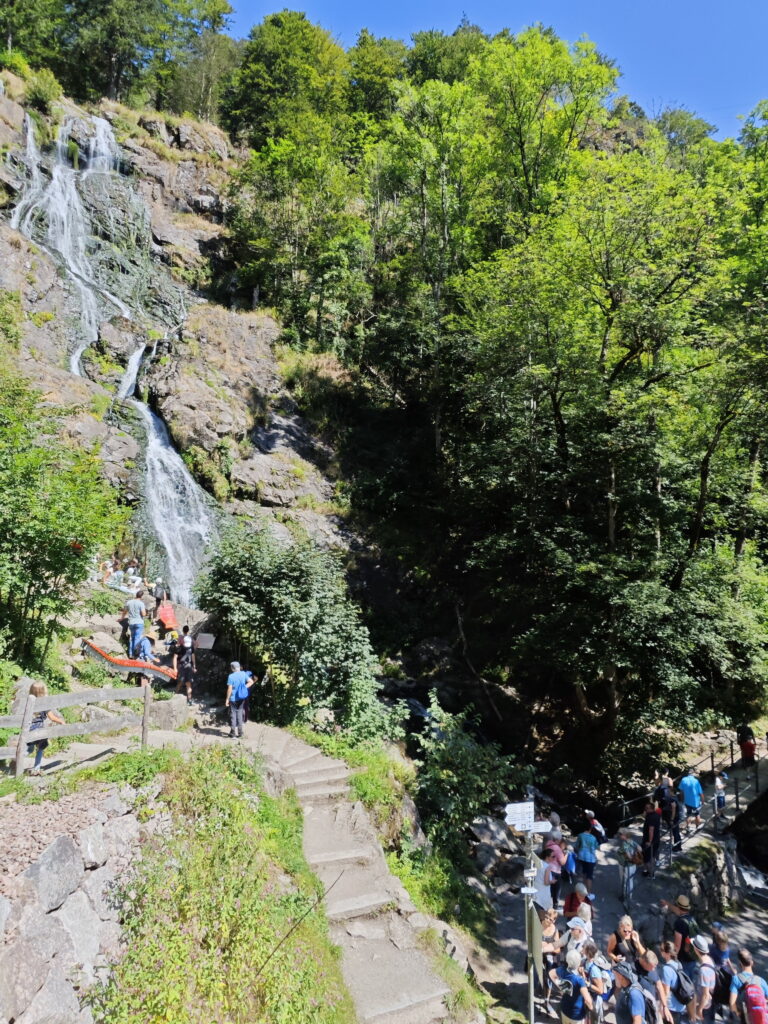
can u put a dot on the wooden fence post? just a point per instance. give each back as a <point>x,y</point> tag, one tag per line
<point>21,746</point>
<point>145,717</point>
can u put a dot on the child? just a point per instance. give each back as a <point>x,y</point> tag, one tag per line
<point>39,721</point>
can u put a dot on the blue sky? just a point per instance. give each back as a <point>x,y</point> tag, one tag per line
<point>707,56</point>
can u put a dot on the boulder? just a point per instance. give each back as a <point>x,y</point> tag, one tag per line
<point>5,910</point>
<point>55,1003</point>
<point>57,872</point>
<point>22,974</point>
<point>156,127</point>
<point>121,836</point>
<point>82,924</point>
<point>170,714</point>
<point>92,845</point>
<point>494,832</point>
<point>48,935</point>
<point>12,113</point>
<point>100,888</point>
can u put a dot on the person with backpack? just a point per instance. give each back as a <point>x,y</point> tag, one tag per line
<point>651,837</point>
<point>691,789</point>
<point>749,992</point>
<point>575,1000</point>
<point>746,740</point>
<point>597,970</point>
<point>670,809</point>
<point>631,1006</point>
<point>677,985</point>
<point>630,856</point>
<point>704,982</point>
<point>586,855</point>
<point>159,593</point>
<point>720,951</point>
<point>185,662</point>
<point>597,829</point>
<point>650,979</point>
<point>685,929</point>
<point>239,683</point>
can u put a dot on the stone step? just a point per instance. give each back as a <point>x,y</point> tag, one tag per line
<point>303,759</point>
<point>316,775</point>
<point>357,889</point>
<point>320,791</point>
<point>351,855</point>
<point>390,984</point>
<point>356,906</point>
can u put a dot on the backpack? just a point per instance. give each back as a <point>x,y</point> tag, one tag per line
<point>652,1012</point>
<point>683,989</point>
<point>721,993</point>
<point>603,964</point>
<point>752,1000</point>
<point>240,692</point>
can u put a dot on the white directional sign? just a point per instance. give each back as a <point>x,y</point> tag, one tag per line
<point>520,816</point>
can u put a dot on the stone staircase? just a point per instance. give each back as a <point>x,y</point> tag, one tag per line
<point>390,978</point>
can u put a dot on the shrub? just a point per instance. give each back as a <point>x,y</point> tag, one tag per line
<point>16,63</point>
<point>43,90</point>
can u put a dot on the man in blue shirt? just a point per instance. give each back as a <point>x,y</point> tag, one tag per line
<point>690,787</point>
<point>746,976</point>
<point>630,1001</point>
<point>239,685</point>
<point>575,999</point>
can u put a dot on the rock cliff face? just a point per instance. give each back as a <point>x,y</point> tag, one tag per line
<point>208,371</point>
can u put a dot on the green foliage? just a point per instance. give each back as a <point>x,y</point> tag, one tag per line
<point>135,767</point>
<point>104,602</point>
<point>15,61</point>
<point>10,318</point>
<point>458,777</point>
<point>56,513</point>
<point>214,924</point>
<point>290,608</point>
<point>43,90</point>
<point>91,673</point>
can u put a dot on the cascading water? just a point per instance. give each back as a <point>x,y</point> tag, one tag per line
<point>53,214</point>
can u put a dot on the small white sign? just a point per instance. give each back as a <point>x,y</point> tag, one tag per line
<point>520,816</point>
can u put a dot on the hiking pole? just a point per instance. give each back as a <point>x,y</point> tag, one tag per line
<point>296,925</point>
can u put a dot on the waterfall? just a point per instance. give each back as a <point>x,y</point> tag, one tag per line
<point>52,213</point>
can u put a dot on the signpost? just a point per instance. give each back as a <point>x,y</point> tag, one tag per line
<point>521,817</point>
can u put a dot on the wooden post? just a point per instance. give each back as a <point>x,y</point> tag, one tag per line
<point>732,761</point>
<point>712,760</point>
<point>736,787</point>
<point>21,746</point>
<point>145,717</point>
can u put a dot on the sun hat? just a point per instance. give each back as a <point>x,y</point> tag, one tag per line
<point>683,902</point>
<point>576,922</point>
<point>625,970</point>
<point>701,943</point>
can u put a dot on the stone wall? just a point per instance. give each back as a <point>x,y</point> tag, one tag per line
<point>60,924</point>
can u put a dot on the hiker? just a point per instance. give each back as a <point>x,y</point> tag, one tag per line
<point>720,779</point>
<point>690,787</point>
<point>624,945</point>
<point>575,936</point>
<point>597,829</point>
<point>705,979</point>
<point>541,883</point>
<point>185,662</point>
<point>550,946</point>
<point>239,683</point>
<point>749,992</point>
<point>39,721</point>
<point>575,1000</point>
<point>630,1001</point>
<point>599,979</point>
<point>576,900</point>
<point>746,740</point>
<point>670,809</point>
<point>586,855</point>
<point>145,651</point>
<point>651,837</point>
<point>650,979</point>
<point>136,611</point>
<point>677,985</point>
<point>552,876</point>
<point>159,593</point>
<point>720,951</point>
<point>685,929</point>
<point>629,855</point>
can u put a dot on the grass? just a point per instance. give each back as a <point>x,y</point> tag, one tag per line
<point>222,921</point>
<point>465,998</point>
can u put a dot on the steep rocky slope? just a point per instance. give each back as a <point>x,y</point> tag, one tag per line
<point>209,371</point>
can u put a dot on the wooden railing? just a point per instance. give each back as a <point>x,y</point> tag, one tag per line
<point>33,705</point>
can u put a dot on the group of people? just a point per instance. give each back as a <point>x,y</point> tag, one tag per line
<point>689,979</point>
<point>181,647</point>
<point>126,577</point>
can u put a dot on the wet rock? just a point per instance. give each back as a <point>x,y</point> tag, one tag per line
<point>57,873</point>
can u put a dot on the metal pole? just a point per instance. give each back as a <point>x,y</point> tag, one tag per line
<point>757,775</point>
<point>712,760</point>
<point>145,717</point>
<point>529,936</point>
<point>715,820</point>
<point>732,761</point>
<point>736,787</point>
